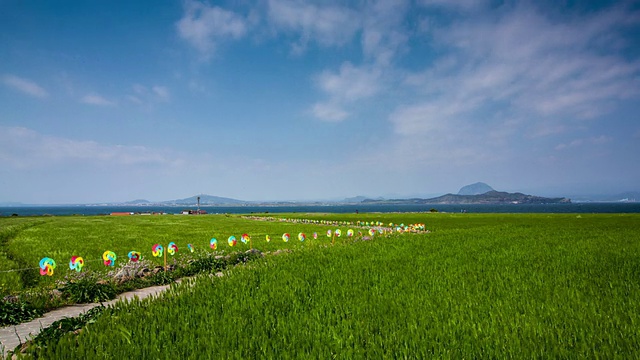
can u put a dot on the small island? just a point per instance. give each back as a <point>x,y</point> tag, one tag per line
<point>478,193</point>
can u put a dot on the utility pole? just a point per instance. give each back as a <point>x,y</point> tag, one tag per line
<point>198,206</point>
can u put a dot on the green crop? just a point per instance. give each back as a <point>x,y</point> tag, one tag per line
<point>478,286</point>
<point>25,241</point>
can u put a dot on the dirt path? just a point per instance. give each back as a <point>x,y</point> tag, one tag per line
<point>14,335</point>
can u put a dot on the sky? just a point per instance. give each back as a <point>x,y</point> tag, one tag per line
<point>110,101</point>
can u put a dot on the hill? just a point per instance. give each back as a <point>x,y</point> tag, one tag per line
<point>138,202</point>
<point>475,189</point>
<point>358,199</point>
<point>355,199</point>
<point>491,197</point>
<point>204,200</point>
<point>496,197</point>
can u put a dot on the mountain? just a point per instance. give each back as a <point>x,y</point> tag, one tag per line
<point>138,202</point>
<point>491,197</point>
<point>496,197</point>
<point>358,199</point>
<point>205,200</point>
<point>355,199</point>
<point>475,189</point>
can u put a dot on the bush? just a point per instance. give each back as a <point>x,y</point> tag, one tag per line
<point>132,284</point>
<point>161,278</point>
<point>87,289</point>
<point>205,264</point>
<point>90,287</point>
<point>16,312</point>
<point>60,328</point>
<point>244,257</point>
<point>42,298</point>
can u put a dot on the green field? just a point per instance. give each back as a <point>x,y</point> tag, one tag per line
<point>25,241</point>
<point>477,286</point>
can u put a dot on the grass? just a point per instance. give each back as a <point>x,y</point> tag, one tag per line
<point>478,286</point>
<point>24,241</point>
<point>27,240</point>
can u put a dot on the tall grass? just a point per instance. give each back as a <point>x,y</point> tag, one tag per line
<point>27,240</point>
<point>521,286</point>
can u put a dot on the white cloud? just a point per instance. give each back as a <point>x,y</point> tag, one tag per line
<point>329,112</point>
<point>162,92</point>
<point>440,133</point>
<point>350,83</point>
<point>501,82</point>
<point>143,95</point>
<point>25,148</point>
<point>554,74</point>
<point>383,38</point>
<point>345,87</point>
<point>379,22</point>
<point>383,34</point>
<point>196,86</point>
<point>592,141</point>
<point>546,128</point>
<point>465,5</point>
<point>139,89</point>
<point>426,118</point>
<point>329,25</point>
<point>135,99</point>
<point>204,26</point>
<point>26,86</point>
<point>94,99</point>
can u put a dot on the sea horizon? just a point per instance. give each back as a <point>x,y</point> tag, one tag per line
<point>93,210</point>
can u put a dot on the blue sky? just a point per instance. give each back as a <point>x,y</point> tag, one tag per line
<point>106,101</point>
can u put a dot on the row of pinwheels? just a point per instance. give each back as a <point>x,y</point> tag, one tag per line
<point>48,265</point>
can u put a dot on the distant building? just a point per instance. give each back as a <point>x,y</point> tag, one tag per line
<point>121,213</point>
<point>194,212</point>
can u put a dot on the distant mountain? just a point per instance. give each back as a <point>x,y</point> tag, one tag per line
<point>205,200</point>
<point>491,197</point>
<point>355,199</point>
<point>359,199</point>
<point>496,197</point>
<point>475,189</point>
<point>138,202</point>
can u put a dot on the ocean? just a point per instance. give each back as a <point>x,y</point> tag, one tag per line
<point>63,210</point>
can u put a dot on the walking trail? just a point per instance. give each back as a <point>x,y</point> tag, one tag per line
<point>14,335</point>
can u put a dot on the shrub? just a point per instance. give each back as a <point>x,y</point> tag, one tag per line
<point>87,288</point>
<point>132,284</point>
<point>243,257</point>
<point>205,264</point>
<point>161,278</point>
<point>60,328</point>
<point>16,312</point>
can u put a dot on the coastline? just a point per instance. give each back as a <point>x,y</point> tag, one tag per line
<point>92,210</point>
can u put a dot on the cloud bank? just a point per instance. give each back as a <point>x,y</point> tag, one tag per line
<point>25,86</point>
